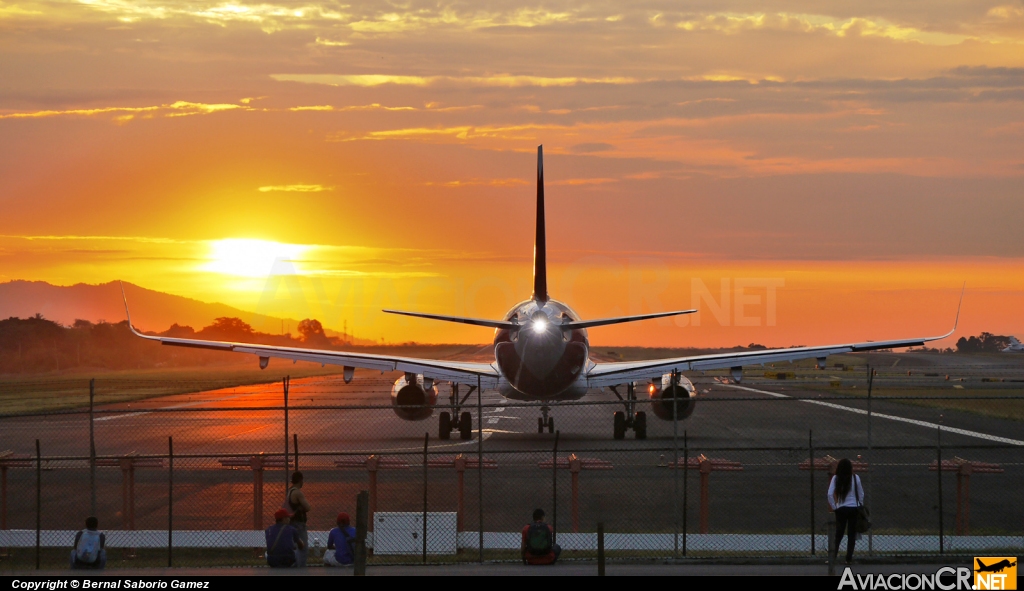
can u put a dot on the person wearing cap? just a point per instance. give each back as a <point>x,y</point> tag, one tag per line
<point>342,540</point>
<point>283,542</point>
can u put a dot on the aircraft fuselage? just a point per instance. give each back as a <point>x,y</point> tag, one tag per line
<point>539,360</point>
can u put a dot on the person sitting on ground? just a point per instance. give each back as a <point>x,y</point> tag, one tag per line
<point>283,542</point>
<point>90,546</point>
<point>538,545</point>
<point>342,540</point>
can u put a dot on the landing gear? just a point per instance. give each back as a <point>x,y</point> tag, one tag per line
<point>545,421</point>
<point>444,428</point>
<point>619,424</point>
<point>631,418</point>
<point>463,424</point>
<point>640,425</point>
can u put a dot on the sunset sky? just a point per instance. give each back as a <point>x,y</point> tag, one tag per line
<point>804,172</point>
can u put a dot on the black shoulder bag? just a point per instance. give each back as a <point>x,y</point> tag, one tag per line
<point>863,513</point>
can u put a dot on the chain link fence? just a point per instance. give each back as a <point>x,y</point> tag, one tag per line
<point>193,479</point>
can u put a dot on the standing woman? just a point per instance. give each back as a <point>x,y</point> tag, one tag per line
<point>845,494</point>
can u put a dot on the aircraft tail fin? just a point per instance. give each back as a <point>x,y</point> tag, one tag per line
<point>540,265</point>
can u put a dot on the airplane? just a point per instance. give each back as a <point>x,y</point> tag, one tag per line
<point>541,353</point>
<point>995,568</point>
<point>1015,346</point>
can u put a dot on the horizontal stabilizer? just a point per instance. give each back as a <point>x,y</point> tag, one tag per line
<point>620,319</point>
<point>570,325</point>
<point>459,319</point>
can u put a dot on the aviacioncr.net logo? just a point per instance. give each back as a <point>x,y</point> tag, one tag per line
<point>946,578</point>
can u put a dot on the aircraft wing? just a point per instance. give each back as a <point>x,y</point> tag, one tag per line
<point>612,374</point>
<point>463,372</point>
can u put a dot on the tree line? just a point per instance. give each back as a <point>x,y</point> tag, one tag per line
<point>37,344</point>
<point>983,343</point>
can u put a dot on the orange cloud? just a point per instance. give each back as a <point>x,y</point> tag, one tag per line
<point>175,109</point>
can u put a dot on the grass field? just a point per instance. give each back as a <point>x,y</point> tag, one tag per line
<point>1004,407</point>
<point>31,394</point>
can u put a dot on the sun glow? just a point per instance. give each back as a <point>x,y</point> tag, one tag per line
<point>253,258</point>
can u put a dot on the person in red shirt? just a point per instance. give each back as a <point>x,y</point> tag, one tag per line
<point>538,545</point>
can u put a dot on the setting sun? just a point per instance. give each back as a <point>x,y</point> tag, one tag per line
<point>254,258</point>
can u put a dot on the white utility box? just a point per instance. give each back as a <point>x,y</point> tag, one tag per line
<point>402,533</point>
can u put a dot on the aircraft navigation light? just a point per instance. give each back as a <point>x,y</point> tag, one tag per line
<point>540,325</point>
<point>650,389</point>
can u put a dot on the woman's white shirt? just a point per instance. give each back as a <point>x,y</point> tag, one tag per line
<point>854,497</point>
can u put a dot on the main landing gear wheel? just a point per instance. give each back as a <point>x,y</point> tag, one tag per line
<point>619,425</point>
<point>463,421</point>
<point>444,428</point>
<point>640,425</point>
<point>628,419</point>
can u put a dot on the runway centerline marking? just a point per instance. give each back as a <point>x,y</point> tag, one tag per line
<point>879,415</point>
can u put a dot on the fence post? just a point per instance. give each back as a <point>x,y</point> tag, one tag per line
<point>39,499</point>
<point>810,446</point>
<point>362,511</point>
<point>833,546</point>
<point>600,549</point>
<point>480,463</point>
<point>675,474</point>
<point>574,471</point>
<point>287,476</point>
<point>3,496</point>
<point>460,470</point>
<point>256,463</point>
<point>867,489</point>
<point>554,490</point>
<point>938,472</point>
<point>686,469</point>
<point>170,501</point>
<point>426,443</point>
<point>92,449</point>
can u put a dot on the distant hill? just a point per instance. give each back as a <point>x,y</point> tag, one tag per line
<point>152,310</point>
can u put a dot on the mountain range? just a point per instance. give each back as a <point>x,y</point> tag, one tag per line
<point>156,311</point>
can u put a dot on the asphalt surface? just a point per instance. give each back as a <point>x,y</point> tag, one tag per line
<point>637,494</point>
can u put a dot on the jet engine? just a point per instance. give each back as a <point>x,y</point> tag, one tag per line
<point>413,397</point>
<point>663,393</point>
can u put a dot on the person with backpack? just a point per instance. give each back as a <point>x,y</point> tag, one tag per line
<point>283,542</point>
<point>538,545</point>
<point>298,506</point>
<point>90,547</point>
<point>342,540</point>
<point>845,497</point>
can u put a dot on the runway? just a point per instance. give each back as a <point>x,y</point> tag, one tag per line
<point>736,422</point>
